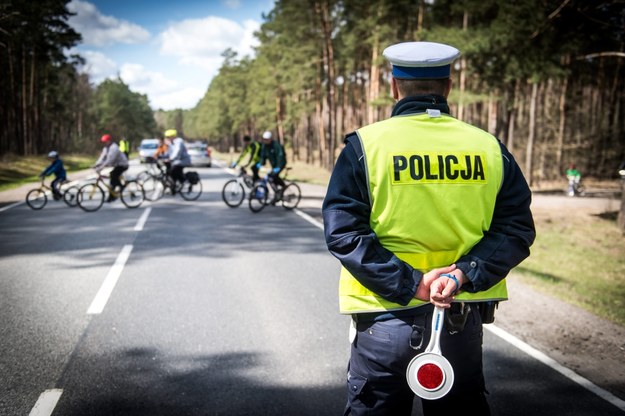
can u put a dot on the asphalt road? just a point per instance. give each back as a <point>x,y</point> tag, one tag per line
<point>212,311</point>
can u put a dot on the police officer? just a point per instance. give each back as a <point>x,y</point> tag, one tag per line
<point>422,210</point>
<point>124,147</point>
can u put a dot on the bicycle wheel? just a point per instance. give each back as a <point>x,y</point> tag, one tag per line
<point>36,199</point>
<point>233,193</point>
<point>190,191</point>
<point>143,176</point>
<point>258,197</point>
<point>90,197</point>
<point>70,196</point>
<point>132,194</point>
<point>291,196</point>
<point>153,188</point>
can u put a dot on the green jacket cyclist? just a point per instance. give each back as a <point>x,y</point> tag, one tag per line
<point>251,148</point>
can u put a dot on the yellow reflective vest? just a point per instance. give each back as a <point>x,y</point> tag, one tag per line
<point>433,182</point>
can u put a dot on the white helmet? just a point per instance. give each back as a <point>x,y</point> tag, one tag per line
<point>53,153</point>
<point>267,135</point>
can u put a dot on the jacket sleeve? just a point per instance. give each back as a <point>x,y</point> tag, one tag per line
<point>112,155</point>
<point>511,233</point>
<point>349,237</point>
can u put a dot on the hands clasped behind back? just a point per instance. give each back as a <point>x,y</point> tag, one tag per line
<point>438,288</point>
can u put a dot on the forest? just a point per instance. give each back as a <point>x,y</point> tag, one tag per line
<point>545,76</point>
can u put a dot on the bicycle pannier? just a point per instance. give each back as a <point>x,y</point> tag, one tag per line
<point>192,177</point>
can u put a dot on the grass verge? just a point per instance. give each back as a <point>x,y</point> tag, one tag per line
<point>581,260</point>
<point>19,170</point>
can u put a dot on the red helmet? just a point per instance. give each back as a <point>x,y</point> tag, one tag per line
<point>106,138</point>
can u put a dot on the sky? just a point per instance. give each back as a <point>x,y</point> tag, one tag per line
<point>168,50</point>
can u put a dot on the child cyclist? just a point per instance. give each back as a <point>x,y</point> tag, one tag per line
<point>56,167</point>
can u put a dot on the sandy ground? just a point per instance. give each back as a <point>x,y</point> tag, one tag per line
<point>592,347</point>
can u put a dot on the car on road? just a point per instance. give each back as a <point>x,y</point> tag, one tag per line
<point>147,148</point>
<point>200,154</point>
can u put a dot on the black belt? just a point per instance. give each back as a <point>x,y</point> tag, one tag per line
<point>398,314</point>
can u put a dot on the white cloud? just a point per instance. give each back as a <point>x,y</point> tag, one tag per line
<point>184,98</point>
<point>145,81</point>
<point>162,92</point>
<point>98,66</point>
<point>201,42</point>
<point>99,30</point>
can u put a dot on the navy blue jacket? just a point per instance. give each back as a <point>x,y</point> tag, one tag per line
<point>57,168</point>
<point>346,211</point>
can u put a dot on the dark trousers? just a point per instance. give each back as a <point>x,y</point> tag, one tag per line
<point>56,186</point>
<point>380,355</point>
<point>177,173</point>
<point>275,178</point>
<point>117,171</point>
<point>255,175</point>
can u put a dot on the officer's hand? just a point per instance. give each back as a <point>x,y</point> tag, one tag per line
<point>444,288</point>
<point>423,290</point>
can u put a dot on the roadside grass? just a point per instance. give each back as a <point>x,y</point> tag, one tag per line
<point>579,259</point>
<point>19,170</point>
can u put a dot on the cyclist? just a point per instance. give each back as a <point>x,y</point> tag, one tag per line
<point>56,167</point>
<point>178,157</point>
<point>111,156</point>
<point>251,147</point>
<point>574,177</point>
<point>273,151</point>
<point>162,152</point>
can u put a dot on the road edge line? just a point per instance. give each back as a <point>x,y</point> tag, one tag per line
<point>545,359</point>
<point>46,403</point>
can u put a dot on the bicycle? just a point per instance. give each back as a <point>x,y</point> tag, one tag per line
<point>154,180</point>
<point>91,195</point>
<point>190,189</point>
<point>576,188</point>
<point>38,198</point>
<point>156,184</point>
<point>233,192</point>
<point>289,196</point>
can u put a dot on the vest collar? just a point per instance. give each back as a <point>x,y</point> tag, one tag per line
<point>419,103</point>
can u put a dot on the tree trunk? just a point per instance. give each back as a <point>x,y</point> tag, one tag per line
<point>530,137</point>
<point>561,125</point>
<point>621,214</point>
<point>328,55</point>
<point>463,62</point>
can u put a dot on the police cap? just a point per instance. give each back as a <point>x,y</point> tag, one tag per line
<point>421,60</point>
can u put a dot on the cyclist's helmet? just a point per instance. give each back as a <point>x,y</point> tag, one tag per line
<point>53,154</point>
<point>171,133</point>
<point>267,135</point>
<point>105,138</point>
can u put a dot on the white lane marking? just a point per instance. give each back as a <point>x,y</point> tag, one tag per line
<point>12,205</point>
<point>46,403</point>
<point>309,218</point>
<point>97,306</point>
<point>143,219</point>
<point>568,373</point>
